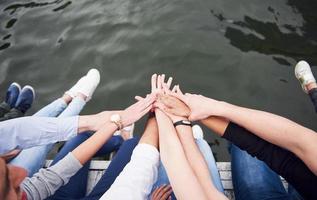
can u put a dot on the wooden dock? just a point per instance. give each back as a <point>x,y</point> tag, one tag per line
<point>97,169</point>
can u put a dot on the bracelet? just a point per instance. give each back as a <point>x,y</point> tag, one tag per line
<point>183,122</point>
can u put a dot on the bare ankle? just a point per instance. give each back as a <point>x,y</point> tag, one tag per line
<point>67,98</point>
<point>311,86</point>
<point>82,96</point>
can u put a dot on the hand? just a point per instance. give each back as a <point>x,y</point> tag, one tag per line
<point>137,110</point>
<point>172,107</point>
<point>158,85</point>
<point>200,106</point>
<point>162,193</point>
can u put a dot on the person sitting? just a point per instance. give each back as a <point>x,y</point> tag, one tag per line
<point>271,138</point>
<point>16,102</point>
<point>15,184</point>
<point>18,133</point>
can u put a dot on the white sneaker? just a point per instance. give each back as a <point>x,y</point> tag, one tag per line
<point>126,132</point>
<point>86,85</point>
<point>197,132</point>
<point>304,74</point>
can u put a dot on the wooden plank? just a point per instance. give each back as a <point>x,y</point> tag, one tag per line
<point>97,169</point>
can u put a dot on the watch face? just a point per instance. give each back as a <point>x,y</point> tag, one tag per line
<point>115,118</point>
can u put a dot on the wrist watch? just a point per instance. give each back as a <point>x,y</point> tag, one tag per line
<point>183,122</point>
<point>116,118</point>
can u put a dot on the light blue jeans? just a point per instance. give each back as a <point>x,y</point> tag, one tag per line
<point>33,159</point>
<point>210,160</point>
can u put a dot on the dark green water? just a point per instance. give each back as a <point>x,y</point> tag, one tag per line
<point>242,51</point>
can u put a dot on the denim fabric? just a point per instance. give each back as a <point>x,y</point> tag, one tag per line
<point>33,159</point>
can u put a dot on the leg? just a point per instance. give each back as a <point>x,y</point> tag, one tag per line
<point>294,195</point>
<point>76,187</point>
<point>53,109</point>
<point>210,160</point>
<point>13,113</point>
<point>313,96</point>
<point>116,166</point>
<point>74,108</point>
<point>12,95</point>
<point>253,180</point>
<point>4,109</point>
<point>33,159</point>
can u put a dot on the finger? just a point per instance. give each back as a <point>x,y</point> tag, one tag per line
<point>174,88</point>
<point>178,90</point>
<point>138,98</point>
<point>154,82</point>
<point>163,79</point>
<point>159,105</point>
<point>159,82</point>
<point>159,189</point>
<point>163,191</point>
<point>147,102</point>
<point>169,82</point>
<point>154,194</point>
<point>167,194</point>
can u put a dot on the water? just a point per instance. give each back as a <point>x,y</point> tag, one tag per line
<point>242,51</point>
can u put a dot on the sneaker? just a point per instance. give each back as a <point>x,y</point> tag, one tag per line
<point>197,132</point>
<point>126,133</point>
<point>304,74</point>
<point>13,94</point>
<point>25,99</point>
<point>86,85</point>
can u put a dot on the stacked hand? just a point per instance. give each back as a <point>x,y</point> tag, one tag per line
<point>178,105</point>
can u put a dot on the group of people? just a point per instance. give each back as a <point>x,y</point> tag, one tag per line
<point>171,160</point>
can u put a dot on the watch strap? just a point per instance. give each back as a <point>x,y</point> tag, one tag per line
<point>183,122</point>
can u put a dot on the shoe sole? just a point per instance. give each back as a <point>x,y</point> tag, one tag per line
<point>31,88</point>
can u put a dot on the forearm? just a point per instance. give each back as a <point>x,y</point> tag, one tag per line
<point>44,183</point>
<point>175,162</point>
<point>150,135</point>
<point>217,124</point>
<point>86,150</point>
<point>275,129</point>
<point>197,162</point>
<point>280,160</point>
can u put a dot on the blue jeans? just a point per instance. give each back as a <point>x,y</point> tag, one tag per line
<point>253,180</point>
<point>33,159</point>
<point>76,187</point>
<point>211,163</point>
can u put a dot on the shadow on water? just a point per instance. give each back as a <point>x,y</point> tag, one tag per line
<point>268,38</point>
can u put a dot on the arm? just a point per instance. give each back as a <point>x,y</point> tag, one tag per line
<point>192,152</point>
<point>197,162</point>
<point>27,132</point>
<point>44,183</point>
<point>272,128</point>
<point>138,176</point>
<point>282,161</point>
<point>276,130</point>
<point>47,181</point>
<point>175,162</point>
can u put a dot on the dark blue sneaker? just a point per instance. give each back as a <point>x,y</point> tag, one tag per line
<point>25,99</point>
<point>13,94</point>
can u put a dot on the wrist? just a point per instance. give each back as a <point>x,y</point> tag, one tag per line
<point>178,118</point>
<point>85,124</point>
